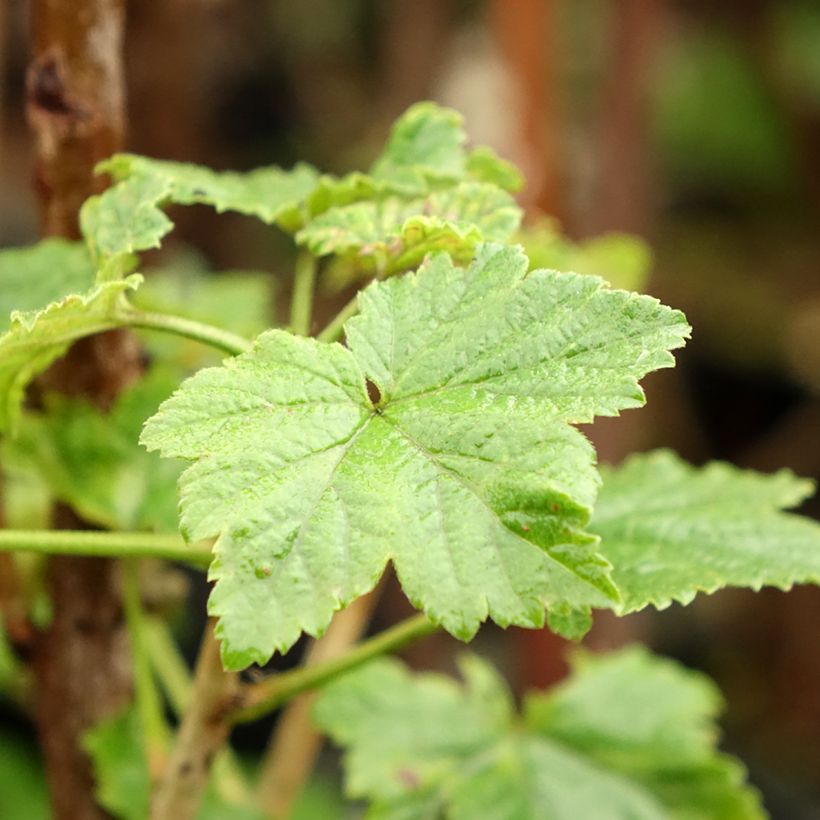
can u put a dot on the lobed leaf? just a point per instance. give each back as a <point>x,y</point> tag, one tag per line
<point>36,338</point>
<point>672,530</point>
<point>627,736</point>
<point>128,217</point>
<point>393,234</point>
<point>461,466</point>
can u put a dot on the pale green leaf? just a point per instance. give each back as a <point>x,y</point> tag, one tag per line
<point>484,165</point>
<point>465,471</point>
<point>91,460</point>
<point>426,141</point>
<point>36,338</point>
<point>128,217</point>
<point>672,530</point>
<point>33,277</point>
<point>626,737</point>
<point>394,234</point>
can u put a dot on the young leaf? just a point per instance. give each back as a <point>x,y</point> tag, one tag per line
<point>441,438</point>
<point>91,460</point>
<point>393,234</point>
<point>627,737</point>
<point>671,530</point>
<point>38,337</point>
<point>127,218</point>
<point>427,141</point>
<point>33,277</point>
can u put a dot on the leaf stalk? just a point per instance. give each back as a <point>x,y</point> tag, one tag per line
<point>105,544</point>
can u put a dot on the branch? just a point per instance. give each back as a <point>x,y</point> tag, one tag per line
<point>203,731</point>
<point>198,331</point>
<point>295,744</point>
<point>270,694</point>
<point>175,679</point>
<point>93,543</point>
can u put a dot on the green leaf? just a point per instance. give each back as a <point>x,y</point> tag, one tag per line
<point>672,530</point>
<point>123,784</point>
<point>464,469</point>
<point>91,460</point>
<point>23,791</point>
<point>394,234</point>
<point>484,165</point>
<point>36,338</point>
<point>125,219</point>
<point>32,277</point>
<point>426,141</point>
<point>128,217</point>
<point>627,737</point>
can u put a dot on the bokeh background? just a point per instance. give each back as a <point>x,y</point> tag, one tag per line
<point>693,124</point>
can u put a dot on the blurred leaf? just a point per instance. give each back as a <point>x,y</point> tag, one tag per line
<point>92,460</point>
<point>36,338</point>
<point>23,793</point>
<point>128,217</point>
<point>123,785</point>
<point>623,260</point>
<point>627,737</point>
<point>466,471</point>
<point>672,530</point>
<point>427,141</point>
<point>35,276</point>
<point>484,165</point>
<point>716,120</point>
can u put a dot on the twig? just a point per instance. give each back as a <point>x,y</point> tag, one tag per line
<point>175,679</point>
<point>203,731</point>
<point>295,744</point>
<point>262,698</point>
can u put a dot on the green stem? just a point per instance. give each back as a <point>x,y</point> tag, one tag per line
<point>149,704</point>
<point>301,306</point>
<point>268,695</point>
<point>333,332</point>
<point>110,544</point>
<point>190,329</point>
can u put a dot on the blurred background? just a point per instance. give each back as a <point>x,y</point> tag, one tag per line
<point>692,124</point>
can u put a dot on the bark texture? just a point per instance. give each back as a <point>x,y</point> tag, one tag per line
<point>75,106</point>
